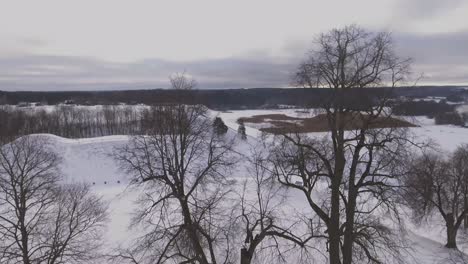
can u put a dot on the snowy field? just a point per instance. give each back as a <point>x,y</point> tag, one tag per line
<point>89,160</point>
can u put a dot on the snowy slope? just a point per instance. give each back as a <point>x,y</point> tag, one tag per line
<point>89,160</point>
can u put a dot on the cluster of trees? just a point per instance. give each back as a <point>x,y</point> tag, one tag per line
<point>212,98</point>
<point>442,112</point>
<point>422,108</point>
<point>77,122</point>
<point>450,118</point>
<point>43,220</point>
<point>437,184</point>
<point>191,211</point>
<point>457,97</point>
<point>84,122</point>
<point>70,121</point>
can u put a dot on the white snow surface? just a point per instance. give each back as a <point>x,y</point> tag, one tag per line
<point>89,160</point>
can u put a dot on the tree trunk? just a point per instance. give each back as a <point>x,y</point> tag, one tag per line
<point>23,229</point>
<point>246,256</point>
<point>451,232</point>
<point>334,225</point>
<point>465,219</point>
<point>451,238</point>
<point>334,232</point>
<point>192,233</point>
<point>348,240</point>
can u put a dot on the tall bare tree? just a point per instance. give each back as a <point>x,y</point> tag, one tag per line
<point>181,167</point>
<point>41,221</point>
<point>355,161</point>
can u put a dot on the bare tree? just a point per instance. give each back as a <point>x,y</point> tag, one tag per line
<point>183,89</point>
<point>355,163</point>
<point>181,167</point>
<point>40,221</point>
<point>28,173</point>
<point>180,81</point>
<point>460,166</point>
<point>75,229</point>
<point>439,185</point>
<point>261,217</point>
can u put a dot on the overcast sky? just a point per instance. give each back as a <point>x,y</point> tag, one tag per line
<point>113,44</point>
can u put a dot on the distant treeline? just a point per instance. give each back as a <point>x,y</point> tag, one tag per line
<point>216,99</point>
<point>76,122</point>
<point>442,112</point>
<point>422,108</point>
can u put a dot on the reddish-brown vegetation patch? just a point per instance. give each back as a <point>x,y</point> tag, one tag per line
<point>281,124</point>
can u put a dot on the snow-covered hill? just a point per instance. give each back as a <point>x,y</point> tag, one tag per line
<point>89,160</point>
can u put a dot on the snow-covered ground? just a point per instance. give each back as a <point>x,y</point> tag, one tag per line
<point>230,118</point>
<point>90,160</point>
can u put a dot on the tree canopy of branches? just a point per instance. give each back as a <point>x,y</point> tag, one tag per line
<point>40,220</point>
<point>440,185</point>
<point>355,172</point>
<point>181,166</point>
<point>263,224</point>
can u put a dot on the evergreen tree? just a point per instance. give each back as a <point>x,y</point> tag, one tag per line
<point>219,127</point>
<point>241,131</point>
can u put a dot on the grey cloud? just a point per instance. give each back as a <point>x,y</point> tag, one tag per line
<point>412,9</point>
<point>34,72</point>
<point>443,48</point>
<point>442,58</point>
